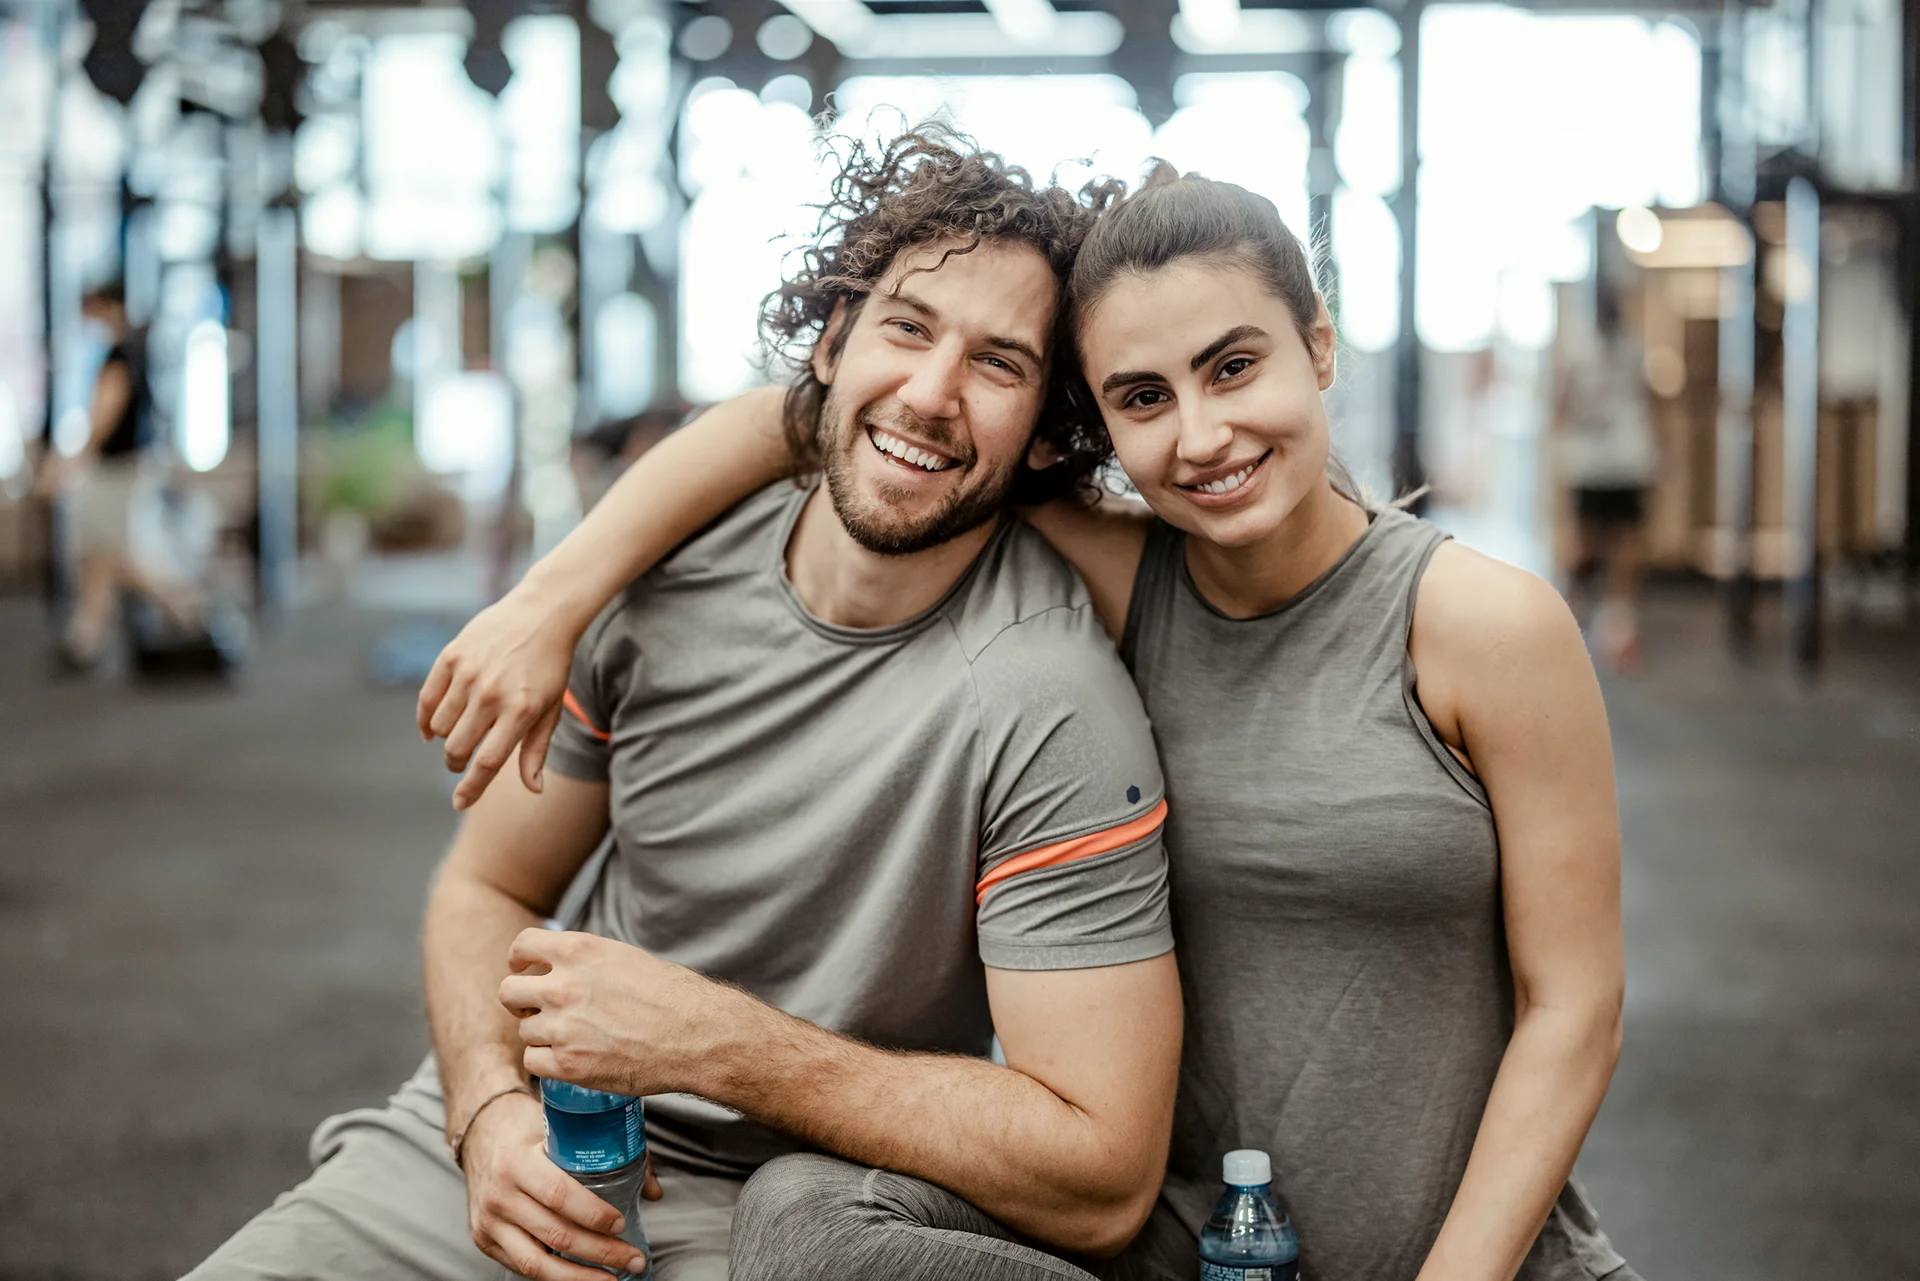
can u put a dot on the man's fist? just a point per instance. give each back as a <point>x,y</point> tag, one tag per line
<point>520,1204</point>
<point>609,1016</point>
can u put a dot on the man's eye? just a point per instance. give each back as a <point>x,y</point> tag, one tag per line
<point>1145,398</point>
<point>998,363</point>
<point>1235,367</point>
<point>908,326</point>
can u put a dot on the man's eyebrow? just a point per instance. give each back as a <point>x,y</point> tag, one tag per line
<point>1238,333</point>
<point>1015,344</point>
<point>992,340</point>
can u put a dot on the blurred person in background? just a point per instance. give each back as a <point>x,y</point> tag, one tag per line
<point>878,789</point>
<point>1608,459</point>
<point>110,477</point>
<point>1396,900</point>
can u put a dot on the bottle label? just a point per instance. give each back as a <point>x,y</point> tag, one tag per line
<point>1289,1271</point>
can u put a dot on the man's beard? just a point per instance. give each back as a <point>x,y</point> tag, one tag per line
<point>877,526</point>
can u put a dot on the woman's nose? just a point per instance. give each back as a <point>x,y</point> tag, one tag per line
<point>1203,438</point>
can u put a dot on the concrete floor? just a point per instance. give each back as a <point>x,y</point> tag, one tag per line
<point>210,900</point>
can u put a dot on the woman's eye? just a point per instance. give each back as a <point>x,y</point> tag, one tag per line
<point>1145,398</point>
<point>1235,367</point>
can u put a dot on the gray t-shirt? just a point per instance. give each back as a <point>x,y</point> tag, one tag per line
<point>1336,894</point>
<point>848,822</point>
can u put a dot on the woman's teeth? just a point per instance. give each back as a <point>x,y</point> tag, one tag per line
<point>906,453</point>
<point>1227,484</point>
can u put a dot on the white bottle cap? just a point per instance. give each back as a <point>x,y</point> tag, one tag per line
<point>1247,1168</point>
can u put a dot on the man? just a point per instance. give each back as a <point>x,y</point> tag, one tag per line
<point>109,477</point>
<point>851,743</point>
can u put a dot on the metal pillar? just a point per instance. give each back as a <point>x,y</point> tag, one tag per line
<point>1733,445</point>
<point>1323,178</point>
<point>506,270</point>
<point>1910,256</point>
<point>1409,473</point>
<point>58,303</point>
<point>276,359</point>
<point>1800,421</point>
<point>1733,448</point>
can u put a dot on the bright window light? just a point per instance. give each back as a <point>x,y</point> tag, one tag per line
<point>1026,22</point>
<point>1639,229</point>
<point>540,115</point>
<point>431,158</point>
<point>1080,124</point>
<point>1257,31</point>
<point>1587,111</point>
<point>13,449</point>
<point>1208,136</point>
<point>1214,23</point>
<point>1366,245</point>
<point>205,422</point>
<point>1366,145</point>
<point>465,429</point>
<point>624,338</point>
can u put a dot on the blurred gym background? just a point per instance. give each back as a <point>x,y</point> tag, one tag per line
<point>410,282</point>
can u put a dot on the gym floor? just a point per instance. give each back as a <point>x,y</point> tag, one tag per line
<point>211,901</point>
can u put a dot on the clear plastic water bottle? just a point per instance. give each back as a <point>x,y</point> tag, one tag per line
<point>601,1140</point>
<point>1248,1236</point>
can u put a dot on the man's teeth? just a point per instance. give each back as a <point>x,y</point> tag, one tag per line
<point>1227,484</point>
<point>888,444</point>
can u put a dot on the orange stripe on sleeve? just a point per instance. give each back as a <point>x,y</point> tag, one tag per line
<point>1104,841</point>
<point>572,704</point>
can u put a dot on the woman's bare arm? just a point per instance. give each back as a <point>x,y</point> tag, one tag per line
<point>501,679</point>
<point>1506,680</point>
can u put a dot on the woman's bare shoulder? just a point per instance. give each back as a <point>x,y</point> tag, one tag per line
<point>1481,626</point>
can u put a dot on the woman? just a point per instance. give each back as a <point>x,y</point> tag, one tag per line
<point>1397,900</point>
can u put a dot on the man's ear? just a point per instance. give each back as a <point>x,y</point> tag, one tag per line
<point>825,357</point>
<point>1325,342</point>
<point>1041,455</point>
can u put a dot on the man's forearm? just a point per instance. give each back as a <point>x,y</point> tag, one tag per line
<point>680,485</point>
<point>1001,1139</point>
<point>1549,1087</point>
<point>469,926</point>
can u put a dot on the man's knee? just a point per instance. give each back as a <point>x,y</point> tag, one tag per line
<point>802,1206</point>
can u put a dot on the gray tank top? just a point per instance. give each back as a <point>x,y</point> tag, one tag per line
<point>1336,901</point>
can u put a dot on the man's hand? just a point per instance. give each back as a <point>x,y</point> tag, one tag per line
<point>519,1203</point>
<point>609,1016</point>
<point>496,685</point>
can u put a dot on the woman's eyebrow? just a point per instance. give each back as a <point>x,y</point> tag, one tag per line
<point>1239,333</point>
<point>1126,376</point>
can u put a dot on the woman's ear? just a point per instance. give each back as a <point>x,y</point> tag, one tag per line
<point>1325,342</point>
<point>825,357</point>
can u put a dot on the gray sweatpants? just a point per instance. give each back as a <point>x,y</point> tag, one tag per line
<point>812,1216</point>
<point>385,1202</point>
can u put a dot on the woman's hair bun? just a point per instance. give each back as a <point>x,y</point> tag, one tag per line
<point>1162,174</point>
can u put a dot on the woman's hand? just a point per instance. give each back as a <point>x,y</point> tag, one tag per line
<point>498,684</point>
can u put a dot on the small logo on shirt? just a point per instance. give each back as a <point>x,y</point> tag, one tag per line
<point>1133,796</point>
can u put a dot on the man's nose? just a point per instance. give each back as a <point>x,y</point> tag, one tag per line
<point>932,390</point>
<point>1203,438</point>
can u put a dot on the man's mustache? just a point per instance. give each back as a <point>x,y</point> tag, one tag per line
<point>904,422</point>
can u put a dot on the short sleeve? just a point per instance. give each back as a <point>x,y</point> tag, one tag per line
<point>1072,873</point>
<point>583,740</point>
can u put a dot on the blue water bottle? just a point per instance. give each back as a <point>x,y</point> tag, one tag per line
<point>601,1140</point>
<point>1248,1236</point>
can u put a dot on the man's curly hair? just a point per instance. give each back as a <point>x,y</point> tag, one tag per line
<point>933,183</point>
